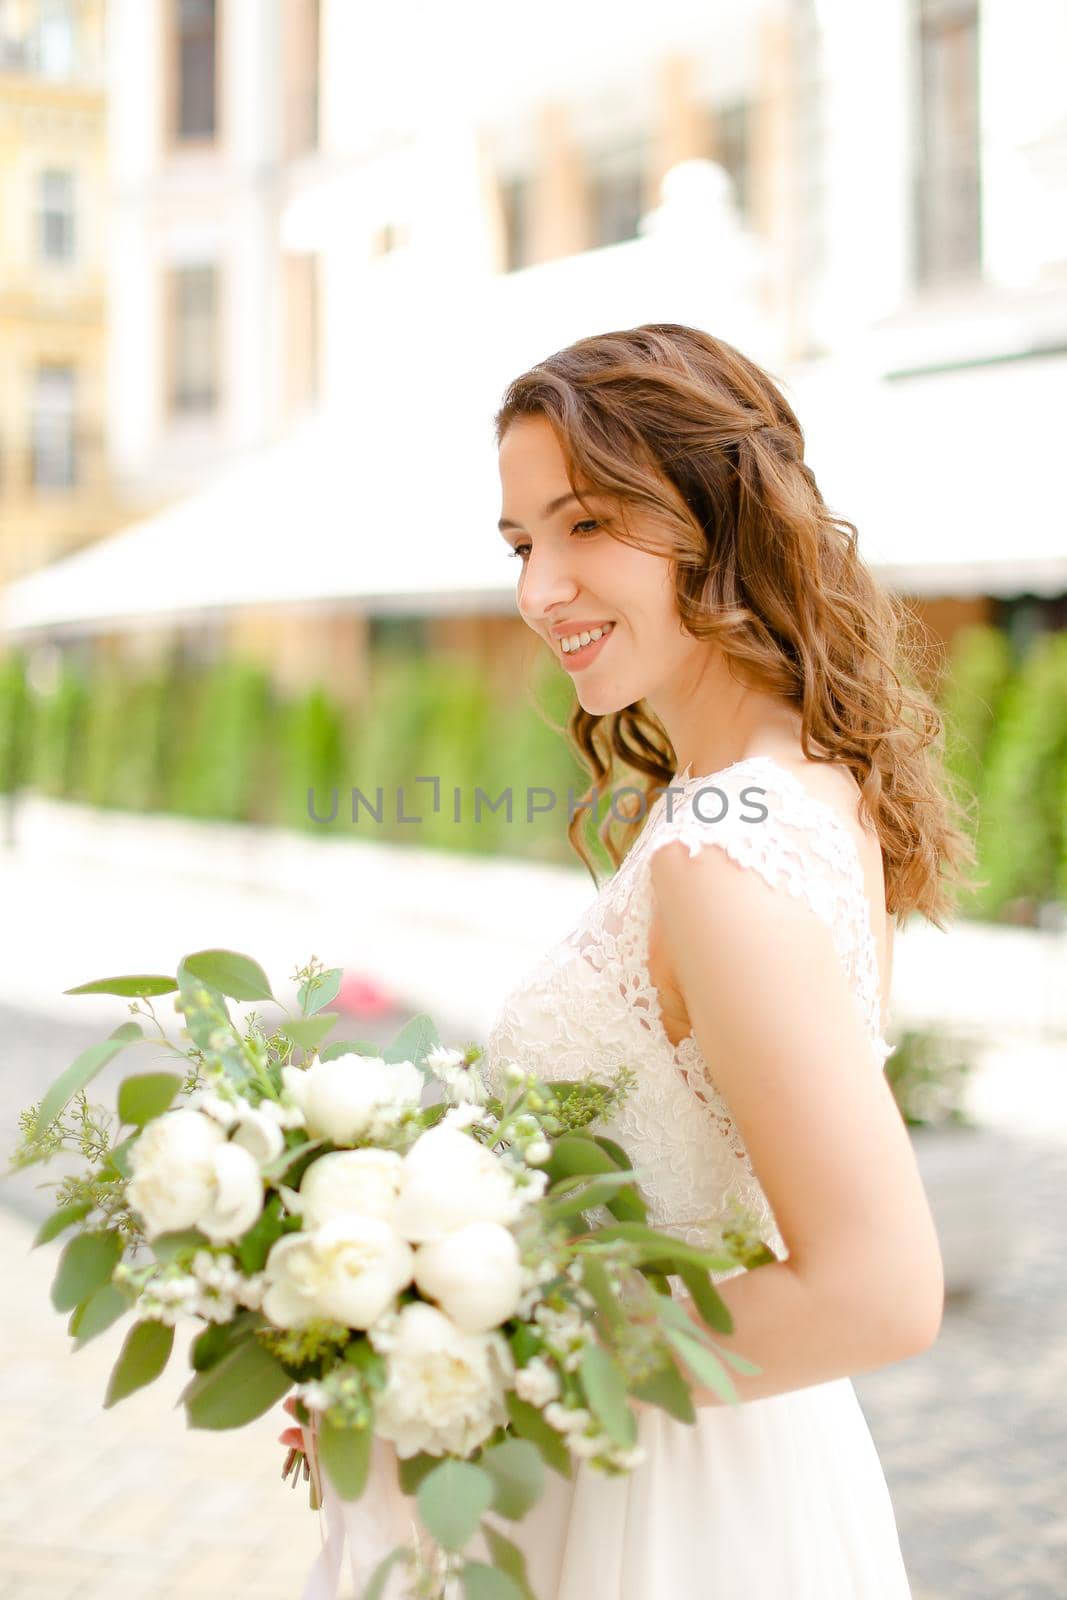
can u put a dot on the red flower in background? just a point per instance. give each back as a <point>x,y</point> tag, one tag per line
<point>364,997</point>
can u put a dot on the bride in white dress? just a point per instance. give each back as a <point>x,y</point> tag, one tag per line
<point>750,662</point>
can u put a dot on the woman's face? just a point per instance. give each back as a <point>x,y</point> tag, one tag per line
<point>574,576</point>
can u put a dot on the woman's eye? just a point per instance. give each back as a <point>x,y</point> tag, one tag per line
<point>523,550</point>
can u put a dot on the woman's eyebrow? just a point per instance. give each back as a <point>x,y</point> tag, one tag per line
<point>550,510</point>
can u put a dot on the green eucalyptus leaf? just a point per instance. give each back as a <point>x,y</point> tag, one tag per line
<point>482,1582</point>
<point>598,1283</point>
<point>309,1032</point>
<point>219,1338</point>
<point>323,988</point>
<point>60,1221</point>
<point>706,1297</point>
<point>659,1246</point>
<point>231,973</point>
<point>103,1307</point>
<point>739,1363</point>
<point>143,1356</point>
<point>414,1041</point>
<point>412,1469</point>
<point>85,1265</point>
<point>704,1364</point>
<point>615,1151</point>
<point>667,1389</point>
<point>345,1454</point>
<point>82,1071</point>
<point>119,1157</point>
<point>451,1500</point>
<point>509,1558</point>
<point>349,1047</point>
<point>605,1392</point>
<point>165,1246</point>
<point>236,1390</point>
<point>142,985</point>
<point>574,1154</point>
<point>518,1475</point>
<point>146,1095</point>
<point>530,1424</point>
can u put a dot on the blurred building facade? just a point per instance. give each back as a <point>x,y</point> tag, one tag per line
<point>322,211</point>
<point>56,491</point>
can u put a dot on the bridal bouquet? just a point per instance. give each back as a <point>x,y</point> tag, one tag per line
<point>467,1278</point>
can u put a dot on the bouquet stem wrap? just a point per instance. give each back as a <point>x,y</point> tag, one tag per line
<point>371,1526</point>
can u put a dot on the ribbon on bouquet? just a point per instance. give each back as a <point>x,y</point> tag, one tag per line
<point>371,1526</point>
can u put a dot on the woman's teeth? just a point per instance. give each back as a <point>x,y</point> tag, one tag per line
<point>576,640</point>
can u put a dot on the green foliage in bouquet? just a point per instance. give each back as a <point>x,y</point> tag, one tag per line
<point>336,1231</point>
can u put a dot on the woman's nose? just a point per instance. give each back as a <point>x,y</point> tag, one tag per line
<point>547,582</point>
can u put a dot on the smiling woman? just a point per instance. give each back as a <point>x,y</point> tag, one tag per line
<point>722,632</point>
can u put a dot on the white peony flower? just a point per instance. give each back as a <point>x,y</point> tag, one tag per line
<point>473,1273</point>
<point>216,1106</point>
<point>172,1170</point>
<point>259,1132</point>
<point>346,1182</point>
<point>465,1115</point>
<point>353,1097</point>
<point>536,1382</point>
<point>445,1388</point>
<point>349,1270</point>
<point>237,1197</point>
<point>449,1179</point>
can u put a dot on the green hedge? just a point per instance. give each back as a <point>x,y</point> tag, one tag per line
<point>221,743</point>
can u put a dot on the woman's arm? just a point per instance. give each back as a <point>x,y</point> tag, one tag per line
<point>772,1012</point>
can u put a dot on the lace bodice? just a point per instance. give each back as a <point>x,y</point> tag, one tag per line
<point>590,1003</point>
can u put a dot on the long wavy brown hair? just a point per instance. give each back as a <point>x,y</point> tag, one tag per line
<point>679,425</point>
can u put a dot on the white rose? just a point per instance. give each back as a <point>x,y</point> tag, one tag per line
<point>349,1270</point>
<point>353,1097</point>
<point>364,1182</point>
<point>237,1196</point>
<point>473,1273</point>
<point>445,1389</point>
<point>450,1179</point>
<point>172,1170</point>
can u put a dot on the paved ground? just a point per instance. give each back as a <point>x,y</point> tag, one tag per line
<point>972,1435</point>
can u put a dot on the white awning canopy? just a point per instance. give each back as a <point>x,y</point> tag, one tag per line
<point>952,480</point>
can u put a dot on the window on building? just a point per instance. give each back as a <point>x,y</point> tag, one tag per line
<point>55,215</point>
<point>193,327</point>
<point>195,63</point>
<point>516,197</point>
<point>54,40</point>
<point>52,441</point>
<point>617,193</point>
<point>947,177</point>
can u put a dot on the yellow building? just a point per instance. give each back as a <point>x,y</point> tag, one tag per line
<point>54,480</point>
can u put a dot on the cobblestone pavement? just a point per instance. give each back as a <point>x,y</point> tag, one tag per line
<point>972,1434</point>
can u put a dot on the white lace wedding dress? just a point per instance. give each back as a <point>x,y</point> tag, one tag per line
<point>782,1498</point>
